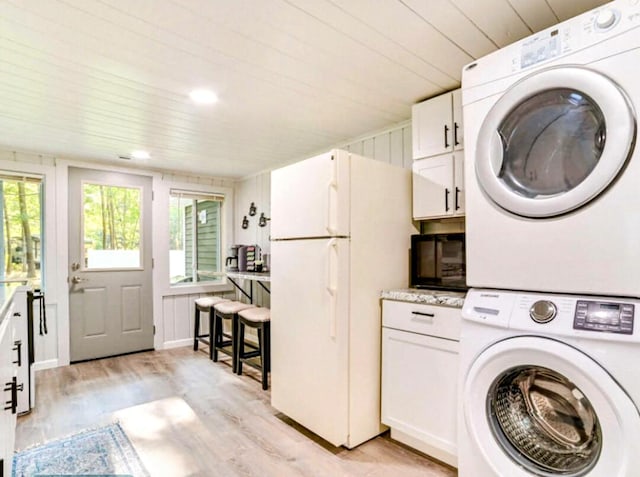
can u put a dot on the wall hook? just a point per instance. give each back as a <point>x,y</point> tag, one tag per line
<point>262,221</point>
<point>252,209</point>
<point>245,222</point>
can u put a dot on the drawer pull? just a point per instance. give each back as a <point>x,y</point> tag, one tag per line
<point>430,315</point>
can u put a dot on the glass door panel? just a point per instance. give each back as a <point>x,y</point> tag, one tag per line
<point>111,226</point>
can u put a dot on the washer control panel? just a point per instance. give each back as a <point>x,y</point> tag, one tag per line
<point>607,316</point>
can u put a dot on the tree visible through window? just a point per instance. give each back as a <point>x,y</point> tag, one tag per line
<point>21,217</point>
<point>111,226</point>
<point>195,233</point>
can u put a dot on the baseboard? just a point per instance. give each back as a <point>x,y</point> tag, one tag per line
<point>177,343</point>
<point>46,364</point>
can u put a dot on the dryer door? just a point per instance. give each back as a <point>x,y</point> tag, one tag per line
<point>536,406</point>
<point>554,141</point>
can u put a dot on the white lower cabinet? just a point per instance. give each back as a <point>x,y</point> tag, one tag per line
<point>419,376</point>
<point>8,392</point>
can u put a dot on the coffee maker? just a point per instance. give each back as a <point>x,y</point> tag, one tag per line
<point>232,258</point>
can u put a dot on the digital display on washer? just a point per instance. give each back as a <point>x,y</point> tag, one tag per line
<point>604,316</point>
<point>539,48</point>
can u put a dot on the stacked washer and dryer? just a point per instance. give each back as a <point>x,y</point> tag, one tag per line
<point>550,346</point>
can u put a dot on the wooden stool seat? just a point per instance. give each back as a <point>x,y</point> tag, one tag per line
<point>205,304</point>
<point>260,320</point>
<point>223,341</point>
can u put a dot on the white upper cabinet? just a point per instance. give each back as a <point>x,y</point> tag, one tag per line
<point>437,125</point>
<point>438,186</point>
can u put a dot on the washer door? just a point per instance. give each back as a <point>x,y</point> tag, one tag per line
<point>536,406</point>
<point>554,141</point>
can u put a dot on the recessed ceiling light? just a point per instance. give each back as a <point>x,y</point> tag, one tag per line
<point>140,155</point>
<point>203,96</point>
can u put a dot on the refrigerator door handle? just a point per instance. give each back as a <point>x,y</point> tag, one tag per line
<point>331,187</point>
<point>331,287</point>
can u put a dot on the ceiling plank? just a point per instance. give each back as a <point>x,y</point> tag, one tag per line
<point>537,14</point>
<point>450,21</point>
<point>496,18</point>
<point>565,9</point>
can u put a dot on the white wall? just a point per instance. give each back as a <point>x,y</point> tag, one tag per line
<point>256,189</point>
<point>392,145</point>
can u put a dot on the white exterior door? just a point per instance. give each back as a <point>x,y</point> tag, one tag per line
<point>536,406</point>
<point>110,294</point>
<point>310,334</point>
<point>554,141</point>
<point>311,198</point>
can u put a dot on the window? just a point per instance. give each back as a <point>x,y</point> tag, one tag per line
<point>195,232</point>
<point>21,225</point>
<point>112,226</point>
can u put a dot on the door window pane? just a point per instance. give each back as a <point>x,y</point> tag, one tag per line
<point>195,237</point>
<point>111,226</point>
<point>551,142</point>
<point>21,225</point>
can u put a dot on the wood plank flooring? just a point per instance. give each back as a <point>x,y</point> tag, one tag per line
<point>188,416</point>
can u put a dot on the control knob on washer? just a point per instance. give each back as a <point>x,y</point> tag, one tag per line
<point>605,19</point>
<point>543,311</point>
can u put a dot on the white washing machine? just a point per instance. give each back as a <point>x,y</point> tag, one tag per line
<point>549,386</point>
<point>551,161</point>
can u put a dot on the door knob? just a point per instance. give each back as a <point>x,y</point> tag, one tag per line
<point>76,279</point>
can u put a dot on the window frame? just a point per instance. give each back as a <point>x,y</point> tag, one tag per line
<point>8,174</point>
<point>196,195</point>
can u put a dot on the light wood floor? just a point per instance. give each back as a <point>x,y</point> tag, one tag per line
<point>188,416</point>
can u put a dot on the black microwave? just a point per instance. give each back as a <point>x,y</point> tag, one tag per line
<point>438,261</point>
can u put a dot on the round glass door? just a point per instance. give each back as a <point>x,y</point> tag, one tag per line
<point>554,141</point>
<point>544,421</point>
<point>534,406</point>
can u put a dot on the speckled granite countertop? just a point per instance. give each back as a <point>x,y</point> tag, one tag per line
<point>425,296</point>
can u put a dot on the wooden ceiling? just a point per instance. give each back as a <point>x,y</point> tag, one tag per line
<point>96,79</point>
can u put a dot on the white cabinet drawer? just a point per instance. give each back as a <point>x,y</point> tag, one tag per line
<point>438,321</point>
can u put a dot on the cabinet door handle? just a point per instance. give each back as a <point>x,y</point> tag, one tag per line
<point>18,347</point>
<point>420,313</point>
<point>446,136</point>
<point>455,134</point>
<point>446,200</point>
<point>457,199</point>
<point>14,388</point>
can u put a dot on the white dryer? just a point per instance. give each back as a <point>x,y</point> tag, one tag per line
<point>551,161</point>
<point>548,386</point>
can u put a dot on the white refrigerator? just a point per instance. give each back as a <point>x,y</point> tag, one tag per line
<point>340,231</point>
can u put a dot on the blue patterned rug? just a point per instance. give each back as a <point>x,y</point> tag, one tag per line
<point>105,451</point>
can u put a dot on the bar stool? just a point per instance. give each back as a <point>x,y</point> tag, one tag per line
<point>205,304</point>
<point>227,310</point>
<point>260,320</point>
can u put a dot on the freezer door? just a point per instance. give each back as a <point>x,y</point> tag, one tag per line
<point>309,334</point>
<point>311,198</point>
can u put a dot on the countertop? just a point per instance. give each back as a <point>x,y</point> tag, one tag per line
<point>425,296</point>
<point>7,289</point>
<point>257,276</point>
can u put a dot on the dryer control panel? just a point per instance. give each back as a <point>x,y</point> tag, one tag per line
<point>607,316</point>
